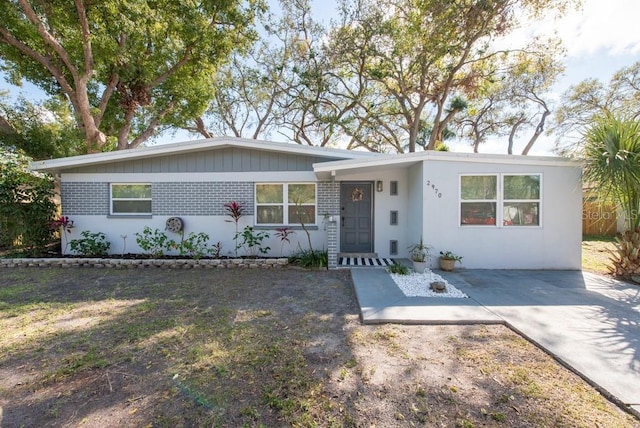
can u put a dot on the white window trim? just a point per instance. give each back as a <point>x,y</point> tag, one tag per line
<point>285,204</point>
<point>500,201</point>
<point>111,199</point>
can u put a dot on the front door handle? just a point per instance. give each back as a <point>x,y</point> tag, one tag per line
<point>341,221</point>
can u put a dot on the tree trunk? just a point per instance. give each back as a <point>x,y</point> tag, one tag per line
<point>433,138</point>
<point>539,130</point>
<point>201,127</point>
<point>512,135</point>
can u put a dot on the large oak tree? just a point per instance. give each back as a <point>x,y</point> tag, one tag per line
<point>128,68</point>
<point>421,57</point>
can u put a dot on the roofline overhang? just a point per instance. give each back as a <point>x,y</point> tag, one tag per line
<point>406,160</point>
<point>57,165</point>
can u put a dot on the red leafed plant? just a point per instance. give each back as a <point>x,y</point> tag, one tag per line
<point>235,210</point>
<point>62,221</point>
<point>66,224</point>
<point>283,233</point>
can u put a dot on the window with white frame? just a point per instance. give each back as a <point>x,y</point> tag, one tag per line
<point>521,200</point>
<point>131,198</point>
<point>285,203</point>
<point>500,199</point>
<point>479,199</point>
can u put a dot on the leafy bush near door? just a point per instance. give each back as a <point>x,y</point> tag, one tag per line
<point>308,258</point>
<point>252,241</point>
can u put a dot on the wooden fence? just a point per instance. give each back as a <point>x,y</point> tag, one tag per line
<point>599,219</point>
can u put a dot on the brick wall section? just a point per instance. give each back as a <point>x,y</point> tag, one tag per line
<point>168,198</point>
<point>329,203</point>
<point>200,198</point>
<point>84,198</point>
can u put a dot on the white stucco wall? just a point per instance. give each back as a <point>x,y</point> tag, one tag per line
<point>556,244</point>
<point>215,226</point>
<point>384,203</point>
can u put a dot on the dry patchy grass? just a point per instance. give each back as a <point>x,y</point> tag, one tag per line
<point>174,348</point>
<point>596,253</point>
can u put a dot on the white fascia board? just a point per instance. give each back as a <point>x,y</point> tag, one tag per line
<point>125,177</point>
<point>408,159</point>
<point>55,165</point>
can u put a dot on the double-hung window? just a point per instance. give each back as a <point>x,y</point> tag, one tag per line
<point>500,199</point>
<point>285,203</point>
<point>479,199</point>
<point>521,200</point>
<point>131,198</point>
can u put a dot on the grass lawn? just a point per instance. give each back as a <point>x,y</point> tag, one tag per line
<point>260,348</point>
<point>596,253</point>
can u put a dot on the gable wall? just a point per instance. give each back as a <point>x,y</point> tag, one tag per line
<point>556,244</point>
<point>216,160</point>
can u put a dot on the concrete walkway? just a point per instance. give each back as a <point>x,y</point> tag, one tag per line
<point>588,322</point>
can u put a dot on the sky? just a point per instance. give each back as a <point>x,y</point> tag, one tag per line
<point>600,38</point>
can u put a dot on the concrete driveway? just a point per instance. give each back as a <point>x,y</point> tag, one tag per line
<point>588,322</point>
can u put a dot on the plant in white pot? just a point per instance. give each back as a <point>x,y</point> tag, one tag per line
<point>419,253</point>
<point>448,260</point>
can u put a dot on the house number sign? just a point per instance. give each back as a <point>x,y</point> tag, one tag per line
<point>434,188</point>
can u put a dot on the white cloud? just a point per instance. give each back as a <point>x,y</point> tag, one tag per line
<point>600,26</point>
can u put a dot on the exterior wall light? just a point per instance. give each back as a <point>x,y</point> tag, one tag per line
<point>379,185</point>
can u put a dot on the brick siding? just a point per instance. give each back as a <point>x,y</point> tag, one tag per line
<point>200,198</point>
<point>84,198</point>
<point>168,198</point>
<point>329,203</point>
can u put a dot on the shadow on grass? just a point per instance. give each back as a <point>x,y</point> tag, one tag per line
<point>151,347</point>
<point>167,347</point>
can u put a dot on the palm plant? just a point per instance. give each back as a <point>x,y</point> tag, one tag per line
<point>611,156</point>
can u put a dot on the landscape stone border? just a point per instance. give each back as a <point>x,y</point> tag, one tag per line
<point>144,263</point>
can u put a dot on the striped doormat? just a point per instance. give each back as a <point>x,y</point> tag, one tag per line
<point>364,262</point>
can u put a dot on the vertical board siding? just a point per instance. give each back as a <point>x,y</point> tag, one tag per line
<point>220,160</point>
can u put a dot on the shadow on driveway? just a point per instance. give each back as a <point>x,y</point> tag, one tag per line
<point>588,322</point>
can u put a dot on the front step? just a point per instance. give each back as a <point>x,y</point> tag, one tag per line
<point>364,261</point>
<point>353,255</point>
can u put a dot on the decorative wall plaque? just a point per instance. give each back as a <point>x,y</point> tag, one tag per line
<point>357,194</point>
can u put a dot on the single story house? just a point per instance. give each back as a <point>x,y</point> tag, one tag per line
<point>497,211</point>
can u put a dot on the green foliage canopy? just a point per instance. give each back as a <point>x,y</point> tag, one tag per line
<point>611,154</point>
<point>26,205</point>
<point>43,131</point>
<point>128,68</point>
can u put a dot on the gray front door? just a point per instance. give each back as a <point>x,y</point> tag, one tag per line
<point>356,211</point>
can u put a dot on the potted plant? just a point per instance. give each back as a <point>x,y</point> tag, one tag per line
<point>448,260</point>
<point>419,253</point>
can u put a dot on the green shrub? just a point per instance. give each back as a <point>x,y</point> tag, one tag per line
<point>399,269</point>
<point>252,241</point>
<point>154,242</point>
<point>195,245</point>
<point>91,244</point>
<point>26,205</point>
<point>308,258</point>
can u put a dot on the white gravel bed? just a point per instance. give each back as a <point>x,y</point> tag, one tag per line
<point>417,284</point>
